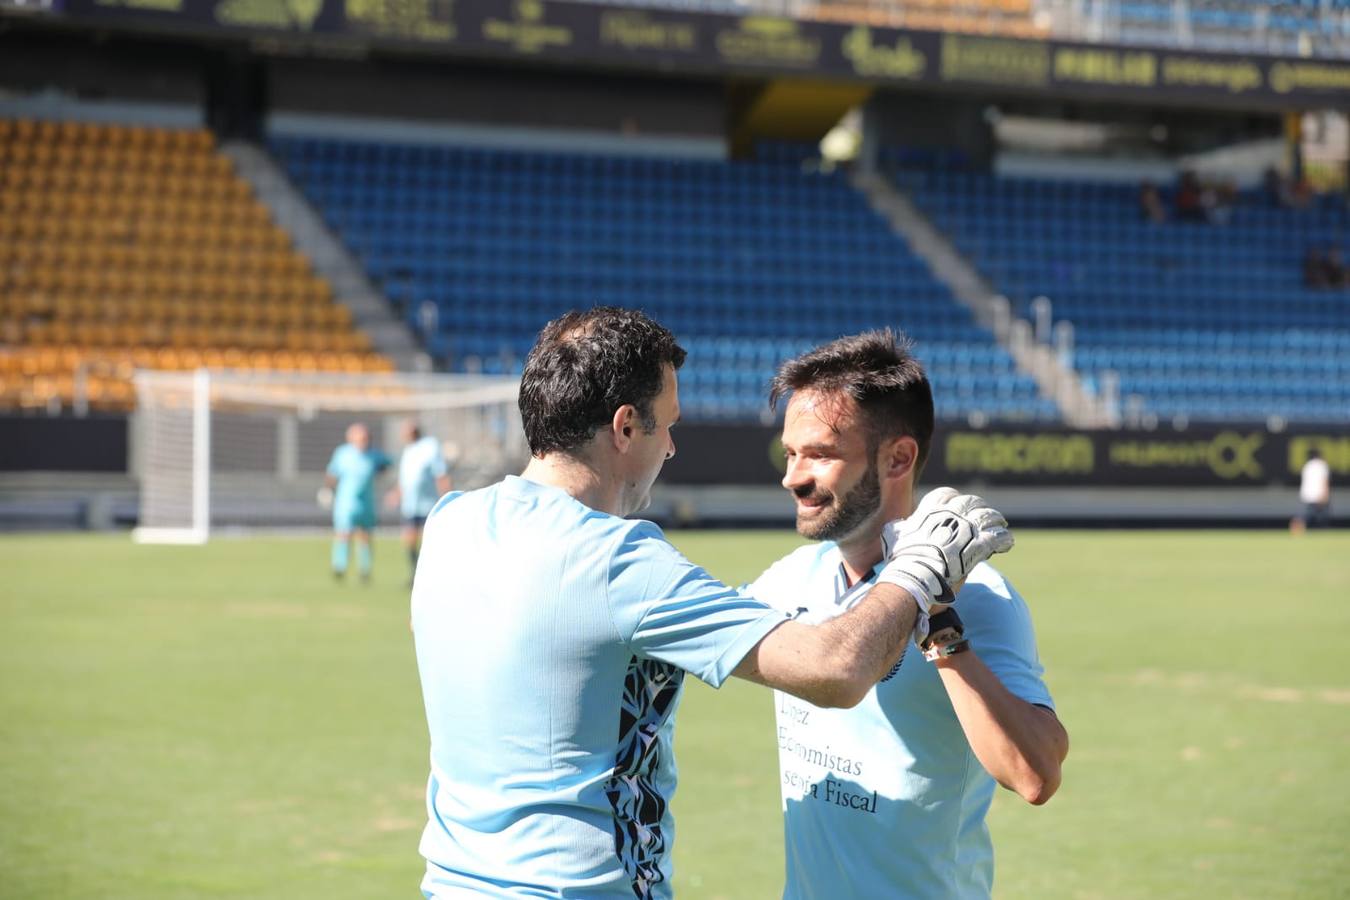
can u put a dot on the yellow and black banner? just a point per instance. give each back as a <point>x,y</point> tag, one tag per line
<point>672,40</point>
<point>1238,456</point>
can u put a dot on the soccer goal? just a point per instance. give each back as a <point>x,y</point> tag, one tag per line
<point>236,449</point>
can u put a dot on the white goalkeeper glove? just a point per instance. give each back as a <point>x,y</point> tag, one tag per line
<point>936,547</point>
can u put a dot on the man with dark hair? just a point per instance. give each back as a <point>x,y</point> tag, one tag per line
<point>553,634</point>
<point>896,808</point>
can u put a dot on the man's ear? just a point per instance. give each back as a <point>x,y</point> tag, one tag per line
<point>621,427</point>
<point>899,456</point>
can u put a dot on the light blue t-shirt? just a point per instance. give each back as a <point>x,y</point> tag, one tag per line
<point>420,465</point>
<point>355,472</point>
<point>552,641</point>
<point>887,799</point>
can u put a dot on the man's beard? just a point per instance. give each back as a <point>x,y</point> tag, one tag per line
<point>844,516</point>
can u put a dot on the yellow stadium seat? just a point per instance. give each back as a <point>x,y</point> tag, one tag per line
<point>131,247</point>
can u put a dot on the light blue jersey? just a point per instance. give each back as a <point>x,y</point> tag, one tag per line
<point>354,496</point>
<point>887,799</point>
<point>421,464</point>
<point>552,641</point>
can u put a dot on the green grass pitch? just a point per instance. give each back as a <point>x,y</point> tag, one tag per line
<point>224,721</point>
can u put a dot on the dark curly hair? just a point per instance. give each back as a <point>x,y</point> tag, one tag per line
<point>876,369</point>
<point>584,366</point>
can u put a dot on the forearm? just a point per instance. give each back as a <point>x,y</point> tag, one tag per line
<point>836,663</point>
<point>870,638</point>
<point>1021,745</point>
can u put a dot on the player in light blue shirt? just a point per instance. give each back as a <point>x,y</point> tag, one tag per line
<point>351,475</point>
<point>888,799</point>
<point>553,635</point>
<point>423,477</point>
<point>552,688</point>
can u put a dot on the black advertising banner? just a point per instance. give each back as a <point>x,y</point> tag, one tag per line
<point>725,454</point>
<point>670,40</point>
<point>42,444</point>
<point>1197,457</point>
<point>1239,456</point>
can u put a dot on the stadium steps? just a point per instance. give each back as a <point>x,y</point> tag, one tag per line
<point>1055,381</point>
<point>371,311</point>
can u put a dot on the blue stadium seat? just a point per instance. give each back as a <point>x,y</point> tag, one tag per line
<point>1198,321</point>
<point>747,262</point>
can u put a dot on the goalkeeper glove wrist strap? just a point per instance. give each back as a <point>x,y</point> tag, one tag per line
<point>944,627</point>
<point>936,651</point>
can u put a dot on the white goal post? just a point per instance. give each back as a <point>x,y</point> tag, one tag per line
<point>242,449</point>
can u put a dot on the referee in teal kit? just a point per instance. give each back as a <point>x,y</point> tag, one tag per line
<point>351,474</point>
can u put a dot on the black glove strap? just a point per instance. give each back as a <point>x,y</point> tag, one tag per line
<point>944,628</point>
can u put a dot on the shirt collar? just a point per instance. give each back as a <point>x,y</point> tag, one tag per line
<point>842,589</point>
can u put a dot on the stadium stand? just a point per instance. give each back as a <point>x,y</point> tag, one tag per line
<point>131,247</point>
<point>1202,322</point>
<point>1010,18</point>
<point>747,262</point>
<point>1297,27</point>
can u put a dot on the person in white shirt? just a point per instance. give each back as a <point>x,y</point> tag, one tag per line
<point>1314,491</point>
<point>423,477</point>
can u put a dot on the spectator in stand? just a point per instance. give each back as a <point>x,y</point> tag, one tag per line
<point>1325,268</point>
<point>1273,187</point>
<point>1301,195</point>
<point>1333,264</point>
<point>1314,269</point>
<point>1278,190</point>
<point>1151,204</point>
<point>1208,203</point>
<point>1189,202</point>
<point>1223,198</point>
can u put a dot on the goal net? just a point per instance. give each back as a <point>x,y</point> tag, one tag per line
<point>235,449</point>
